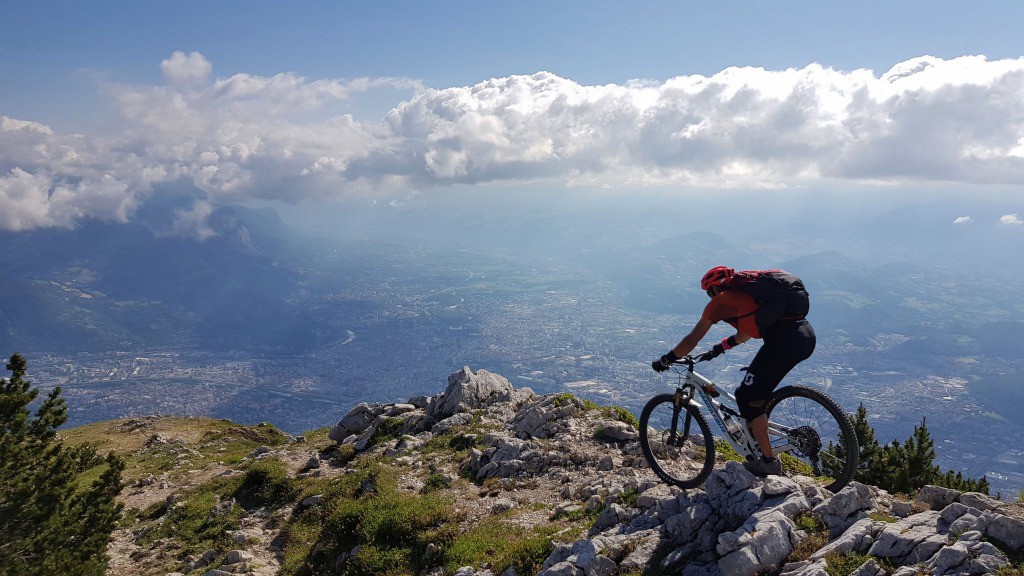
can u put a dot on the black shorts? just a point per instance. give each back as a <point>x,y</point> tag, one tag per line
<point>786,344</point>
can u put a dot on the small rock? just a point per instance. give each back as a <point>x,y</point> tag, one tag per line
<point>236,556</point>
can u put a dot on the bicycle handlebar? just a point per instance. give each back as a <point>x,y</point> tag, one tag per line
<point>689,361</point>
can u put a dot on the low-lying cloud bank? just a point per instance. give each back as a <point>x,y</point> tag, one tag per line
<point>248,137</point>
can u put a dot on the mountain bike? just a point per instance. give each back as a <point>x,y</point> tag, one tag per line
<point>809,432</point>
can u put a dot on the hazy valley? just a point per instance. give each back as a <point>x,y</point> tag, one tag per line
<point>295,321</point>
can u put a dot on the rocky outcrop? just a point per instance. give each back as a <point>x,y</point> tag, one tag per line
<point>468,390</point>
<point>736,524</point>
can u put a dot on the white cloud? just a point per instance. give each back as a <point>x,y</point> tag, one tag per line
<point>192,223</point>
<point>963,220</point>
<point>283,137</point>
<point>1011,219</point>
<point>183,68</point>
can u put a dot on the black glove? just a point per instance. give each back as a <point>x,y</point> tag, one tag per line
<point>716,351</point>
<point>665,362</point>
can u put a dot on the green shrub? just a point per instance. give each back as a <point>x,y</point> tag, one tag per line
<point>388,430</point>
<point>565,398</point>
<point>434,482</point>
<point>809,523</point>
<point>266,483</point>
<point>629,498</point>
<point>808,546</point>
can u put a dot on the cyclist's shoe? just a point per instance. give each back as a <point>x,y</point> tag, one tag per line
<point>764,467</point>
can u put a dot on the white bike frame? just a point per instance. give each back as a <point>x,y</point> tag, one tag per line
<point>745,445</point>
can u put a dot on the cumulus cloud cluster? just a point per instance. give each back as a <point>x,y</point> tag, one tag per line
<point>253,137</point>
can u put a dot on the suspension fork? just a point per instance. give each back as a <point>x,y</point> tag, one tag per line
<point>682,397</point>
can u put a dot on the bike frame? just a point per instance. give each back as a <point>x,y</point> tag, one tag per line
<point>691,382</point>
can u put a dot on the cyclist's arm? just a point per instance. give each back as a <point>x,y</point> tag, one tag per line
<point>690,341</point>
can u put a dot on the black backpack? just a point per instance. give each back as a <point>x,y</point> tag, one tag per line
<point>779,295</point>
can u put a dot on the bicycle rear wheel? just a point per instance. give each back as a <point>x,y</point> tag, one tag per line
<point>809,426</point>
<point>676,442</point>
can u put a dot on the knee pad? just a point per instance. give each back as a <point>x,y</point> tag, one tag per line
<point>751,410</point>
<point>748,400</point>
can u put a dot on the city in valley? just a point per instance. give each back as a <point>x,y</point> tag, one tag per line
<point>540,333</point>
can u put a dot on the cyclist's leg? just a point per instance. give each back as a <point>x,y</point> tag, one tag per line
<point>785,345</point>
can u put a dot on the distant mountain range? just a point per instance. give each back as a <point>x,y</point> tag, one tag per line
<point>110,286</point>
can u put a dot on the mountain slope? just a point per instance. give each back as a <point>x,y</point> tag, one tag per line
<point>117,287</point>
<point>484,479</point>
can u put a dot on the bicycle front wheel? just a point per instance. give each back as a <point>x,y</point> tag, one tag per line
<point>813,435</point>
<point>676,441</point>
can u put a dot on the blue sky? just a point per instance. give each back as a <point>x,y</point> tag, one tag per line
<point>322,101</point>
<point>462,43</point>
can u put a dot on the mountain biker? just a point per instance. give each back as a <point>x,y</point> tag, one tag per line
<point>788,340</point>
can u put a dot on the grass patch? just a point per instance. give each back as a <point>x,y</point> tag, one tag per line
<point>837,564</point>
<point>623,415</point>
<point>191,524</point>
<point>578,514</point>
<point>615,412</point>
<point>792,465</point>
<point>501,544</point>
<point>388,430</point>
<point>200,519</point>
<point>883,518</point>
<point>266,483</point>
<point>817,537</point>
<point>365,509</point>
<point>455,444</point>
<point>318,436</point>
<point>434,482</point>
<point>154,445</point>
<point>726,451</point>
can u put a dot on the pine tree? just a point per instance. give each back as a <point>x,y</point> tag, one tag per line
<point>49,523</point>
<point>868,446</point>
<point>919,458</point>
<point>905,467</point>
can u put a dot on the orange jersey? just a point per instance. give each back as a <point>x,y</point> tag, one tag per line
<point>736,308</point>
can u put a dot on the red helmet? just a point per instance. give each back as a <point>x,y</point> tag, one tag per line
<point>716,277</point>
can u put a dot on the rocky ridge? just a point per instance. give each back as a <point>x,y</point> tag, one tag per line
<point>531,459</point>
